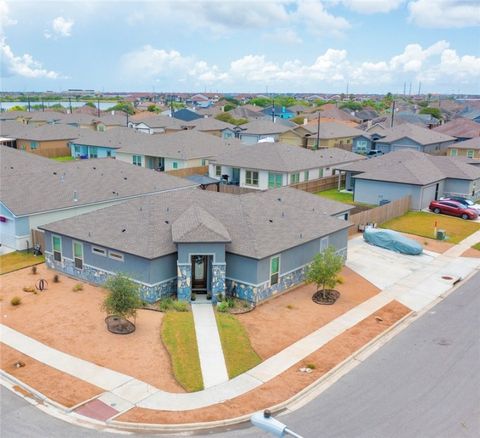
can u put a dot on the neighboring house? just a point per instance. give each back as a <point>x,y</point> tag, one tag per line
<point>336,135</point>
<point>461,128</point>
<point>46,140</point>
<point>406,172</point>
<point>212,126</point>
<point>91,144</point>
<point>35,190</point>
<point>249,112</point>
<point>468,148</point>
<point>423,120</point>
<point>330,113</point>
<point>471,113</point>
<point>408,136</point>
<point>200,100</point>
<point>366,114</point>
<point>78,120</point>
<point>179,150</point>
<point>186,115</point>
<point>271,165</point>
<point>253,132</point>
<point>281,112</point>
<point>251,246</point>
<point>154,124</point>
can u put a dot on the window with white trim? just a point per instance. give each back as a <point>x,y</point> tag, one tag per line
<point>470,153</point>
<point>306,174</point>
<point>137,160</point>
<point>115,256</point>
<point>453,152</point>
<point>323,243</point>
<point>78,255</point>
<point>57,248</point>
<point>294,178</point>
<point>274,270</point>
<point>251,178</point>
<point>99,251</point>
<point>218,170</point>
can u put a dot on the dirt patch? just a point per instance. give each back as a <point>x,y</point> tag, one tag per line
<point>471,252</point>
<point>285,319</point>
<point>286,384</point>
<point>434,245</point>
<point>60,387</point>
<point>74,323</point>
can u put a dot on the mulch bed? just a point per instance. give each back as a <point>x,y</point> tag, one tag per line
<point>119,326</point>
<point>327,297</point>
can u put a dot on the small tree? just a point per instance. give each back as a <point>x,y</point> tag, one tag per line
<point>324,270</point>
<point>123,298</point>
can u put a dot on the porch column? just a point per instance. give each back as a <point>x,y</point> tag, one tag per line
<point>218,280</point>
<point>184,281</point>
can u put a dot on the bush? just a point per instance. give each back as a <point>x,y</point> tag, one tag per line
<point>180,306</point>
<point>230,303</point>
<point>222,306</point>
<point>56,278</point>
<point>310,366</point>
<point>34,270</point>
<point>16,301</point>
<point>30,289</point>
<point>78,287</point>
<point>165,304</point>
<point>123,298</point>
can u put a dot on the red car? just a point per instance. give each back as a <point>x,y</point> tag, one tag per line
<point>453,208</point>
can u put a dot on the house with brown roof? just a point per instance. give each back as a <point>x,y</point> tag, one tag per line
<point>462,129</point>
<point>335,135</point>
<point>468,148</point>
<point>250,246</point>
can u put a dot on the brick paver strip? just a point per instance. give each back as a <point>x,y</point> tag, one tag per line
<point>97,410</point>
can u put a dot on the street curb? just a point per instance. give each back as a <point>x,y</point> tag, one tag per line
<point>293,403</point>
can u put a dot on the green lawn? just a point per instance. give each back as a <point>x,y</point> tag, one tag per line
<point>476,246</point>
<point>335,195</point>
<point>63,159</point>
<point>238,352</point>
<point>178,335</point>
<point>423,223</point>
<point>18,260</point>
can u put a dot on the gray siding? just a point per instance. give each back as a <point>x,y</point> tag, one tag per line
<point>428,194</point>
<point>242,268</point>
<point>372,192</point>
<point>458,186</point>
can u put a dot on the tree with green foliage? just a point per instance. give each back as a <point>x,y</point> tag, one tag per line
<point>351,105</point>
<point>18,108</point>
<point>123,297</point>
<point>228,107</point>
<point>324,270</point>
<point>228,118</point>
<point>90,104</point>
<point>126,107</point>
<point>152,108</point>
<point>298,120</point>
<point>435,112</point>
<point>260,101</point>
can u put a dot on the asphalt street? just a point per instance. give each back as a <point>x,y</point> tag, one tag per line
<point>423,383</point>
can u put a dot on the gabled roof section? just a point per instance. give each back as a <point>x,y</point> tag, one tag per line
<point>196,225</point>
<point>461,127</point>
<point>264,127</point>
<point>416,133</point>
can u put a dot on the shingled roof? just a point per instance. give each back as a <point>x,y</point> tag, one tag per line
<point>460,128</point>
<point>259,224</point>
<point>416,133</point>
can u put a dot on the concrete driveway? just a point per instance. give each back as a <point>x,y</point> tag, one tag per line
<point>382,267</point>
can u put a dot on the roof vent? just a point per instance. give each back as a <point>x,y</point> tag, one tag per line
<point>167,222</point>
<point>301,236</point>
<point>283,214</point>
<point>94,168</point>
<point>124,230</point>
<point>125,178</point>
<point>279,199</point>
<point>75,196</point>
<point>271,221</point>
<point>53,172</point>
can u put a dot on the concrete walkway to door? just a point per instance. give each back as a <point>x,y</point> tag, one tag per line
<point>212,361</point>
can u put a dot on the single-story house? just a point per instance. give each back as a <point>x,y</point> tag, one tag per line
<point>336,135</point>
<point>408,136</point>
<point>45,140</point>
<point>271,165</point>
<point>212,126</point>
<point>251,246</point>
<point>155,124</point>
<point>468,148</point>
<point>174,151</point>
<point>462,129</point>
<point>253,132</point>
<point>279,111</point>
<point>35,190</point>
<point>408,172</point>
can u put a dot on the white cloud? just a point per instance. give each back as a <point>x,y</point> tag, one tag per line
<point>318,20</point>
<point>372,6</point>
<point>23,65</point>
<point>283,36</point>
<point>413,57</point>
<point>445,13</point>
<point>61,27</point>
<point>5,19</point>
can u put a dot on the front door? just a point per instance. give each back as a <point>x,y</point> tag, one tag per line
<point>235,175</point>
<point>199,273</point>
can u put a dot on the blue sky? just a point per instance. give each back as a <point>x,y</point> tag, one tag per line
<point>241,46</point>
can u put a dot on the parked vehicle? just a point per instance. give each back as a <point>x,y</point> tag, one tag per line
<point>453,208</point>
<point>392,240</point>
<point>374,153</point>
<point>464,201</point>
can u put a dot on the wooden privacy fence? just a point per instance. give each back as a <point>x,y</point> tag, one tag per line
<point>318,185</point>
<point>38,237</point>
<point>230,188</point>
<point>189,171</point>
<point>380,214</point>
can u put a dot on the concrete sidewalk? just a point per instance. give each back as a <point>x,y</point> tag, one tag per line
<point>212,361</point>
<point>415,288</point>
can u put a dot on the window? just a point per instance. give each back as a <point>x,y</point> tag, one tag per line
<point>175,165</point>
<point>109,153</point>
<point>93,152</point>
<point>251,178</point>
<point>361,146</point>
<point>453,152</point>
<point>115,256</point>
<point>218,170</point>
<point>294,178</point>
<point>320,173</point>
<point>137,160</point>
<point>305,175</point>
<point>323,243</point>
<point>78,255</point>
<point>274,180</point>
<point>470,153</point>
<point>77,150</point>
<point>99,251</point>
<point>204,162</point>
<point>33,145</point>
<point>57,248</point>
<point>274,270</point>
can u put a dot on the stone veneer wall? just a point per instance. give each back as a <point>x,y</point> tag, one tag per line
<point>255,294</point>
<point>218,280</point>
<point>148,293</point>
<point>184,282</point>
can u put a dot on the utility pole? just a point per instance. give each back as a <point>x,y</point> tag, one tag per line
<point>98,106</point>
<point>70,104</point>
<point>410,89</point>
<point>419,87</point>
<point>273,109</point>
<point>43,105</point>
<point>29,108</point>
<point>347,90</point>
<point>393,114</point>
<point>404,89</point>
<point>317,144</point>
